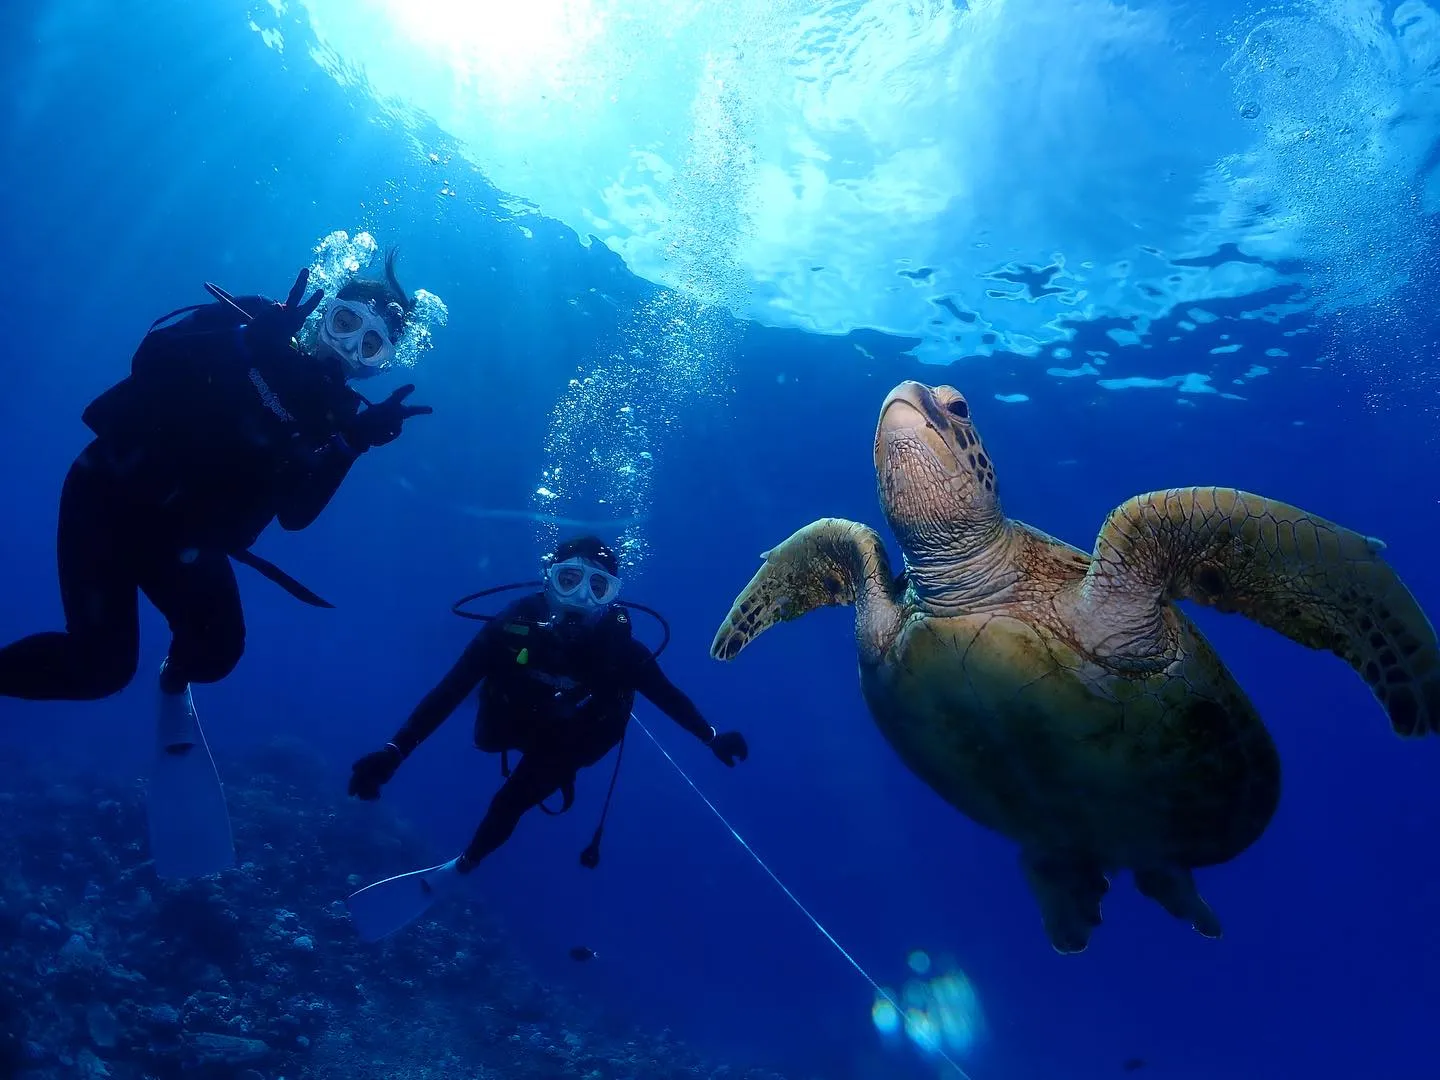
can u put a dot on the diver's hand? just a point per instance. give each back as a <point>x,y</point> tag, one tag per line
<point>277,324</point>
<point>374,771</point>
<point>380,424</point>
<point>729,746</point>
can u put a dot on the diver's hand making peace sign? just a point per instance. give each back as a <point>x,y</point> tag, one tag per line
<point>380,424</point>
<point>278,323</point>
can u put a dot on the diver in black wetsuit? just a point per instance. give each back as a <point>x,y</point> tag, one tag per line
<point>221,427</point>
<point>558,672</point>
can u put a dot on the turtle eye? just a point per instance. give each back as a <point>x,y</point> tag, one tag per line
<point>958,408</point>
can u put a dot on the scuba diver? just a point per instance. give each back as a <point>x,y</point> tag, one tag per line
<point>222,426</point>
<point>558,671</point>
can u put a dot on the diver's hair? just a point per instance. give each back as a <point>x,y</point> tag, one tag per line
<point>388,297</point>
<point>587,547</point>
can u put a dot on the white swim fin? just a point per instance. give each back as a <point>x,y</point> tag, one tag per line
<point>189,822</point>
<point>380,909</point>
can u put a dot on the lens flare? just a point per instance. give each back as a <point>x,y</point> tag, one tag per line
<point>936,1015</point>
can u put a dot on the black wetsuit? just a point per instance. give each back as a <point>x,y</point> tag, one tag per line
<point>558,691</point>
<point>208,440</point>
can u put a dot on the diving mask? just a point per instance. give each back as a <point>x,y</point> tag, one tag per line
<point>357,333</point>
<point>579,585</point>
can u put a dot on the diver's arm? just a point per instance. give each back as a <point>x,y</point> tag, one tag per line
<point>310,481</point>
<point>667,697</point>
<point>476,662</point>
<point>313,473</point>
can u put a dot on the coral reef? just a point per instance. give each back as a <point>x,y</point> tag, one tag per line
<point>256,974</point>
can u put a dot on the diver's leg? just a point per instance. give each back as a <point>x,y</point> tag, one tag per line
<point>97,654</point>
<point>394,902</point>
<point>189,821</point>
<point>535,779</point>
<point>1068,889</point>
<point>200,599</point>
<point>1173,888</point>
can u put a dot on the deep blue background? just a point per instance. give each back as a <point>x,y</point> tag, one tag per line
<point>147,150</point>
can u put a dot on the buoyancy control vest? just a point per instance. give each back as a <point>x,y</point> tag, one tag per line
<point>551,683</point>
<point>175,401</point>
<point>170,374</point>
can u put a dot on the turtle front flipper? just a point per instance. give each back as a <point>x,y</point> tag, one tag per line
<point>829,562</point>
<point>1318,583</point>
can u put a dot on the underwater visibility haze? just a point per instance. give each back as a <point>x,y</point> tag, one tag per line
<point>667,267</point>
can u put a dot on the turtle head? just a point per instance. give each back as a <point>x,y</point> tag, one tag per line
<point>936,483</point>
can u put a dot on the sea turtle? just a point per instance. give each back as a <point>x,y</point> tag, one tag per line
<point>1063,699</point>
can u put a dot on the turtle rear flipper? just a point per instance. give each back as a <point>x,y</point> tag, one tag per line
<point>1173,888</point>
<point>829,562</point>
<point>1069,890</point>
<point>1316,582</point>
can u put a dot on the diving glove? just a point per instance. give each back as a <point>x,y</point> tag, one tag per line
<point>374,771</point>
<point>275,325</point>
<point>379,424</point>
<point>729,746</point>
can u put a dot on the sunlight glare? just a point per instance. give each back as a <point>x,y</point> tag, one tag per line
<point>501,49</point>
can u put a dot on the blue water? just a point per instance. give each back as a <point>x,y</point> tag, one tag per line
<point>148,148</point>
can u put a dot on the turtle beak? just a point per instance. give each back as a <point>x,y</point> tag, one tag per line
<point>912,415</point>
